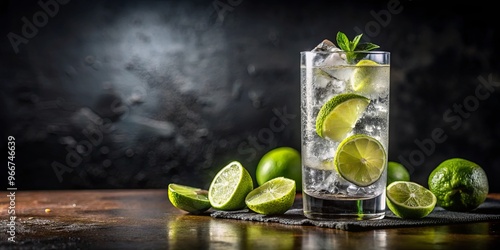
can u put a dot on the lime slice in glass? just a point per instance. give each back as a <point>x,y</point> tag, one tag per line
<point>410,200</point>
<point>360,159</point>
<point>190,199</point>
<point>275,196</point>
<point>363,75</point>
<point>230,187</point>
<point>339,115</point>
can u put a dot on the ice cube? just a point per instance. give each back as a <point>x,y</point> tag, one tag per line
<point>322,79</point>
<point>326,46</point>
<point>353,190</point>
<point>331,182</point>
<point>333,59</point>
<point>338,86</point>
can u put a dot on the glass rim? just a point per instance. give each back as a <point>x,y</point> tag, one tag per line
<point>343,52</point>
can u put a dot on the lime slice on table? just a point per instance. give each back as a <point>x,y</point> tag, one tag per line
<point>410,200</point>
<point>275,196</point>
<point>339,115</point>
<point>230,187</point>
<point>190,199</point>
<point>361,79</point>
<point>360,159</point>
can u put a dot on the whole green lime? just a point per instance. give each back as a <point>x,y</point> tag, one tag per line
<point>459,184</point>
<point>396,172</point>
<point>280,162</point>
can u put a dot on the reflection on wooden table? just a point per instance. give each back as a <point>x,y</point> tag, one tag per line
<point>145,219</point>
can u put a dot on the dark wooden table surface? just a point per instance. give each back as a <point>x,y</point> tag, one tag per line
<point>145,219</point>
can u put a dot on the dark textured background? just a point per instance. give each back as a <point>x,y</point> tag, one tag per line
<point>138,94</point>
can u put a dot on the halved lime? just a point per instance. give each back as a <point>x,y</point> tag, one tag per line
<point>360,159</point>
<point>410,200</point>
<point>339,115</point>
<point>362,77</point>
<point>190,199</point>
<point>230,187</point>
<point>275,196</point>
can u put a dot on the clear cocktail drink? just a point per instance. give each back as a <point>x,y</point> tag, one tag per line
<point>345,129</point>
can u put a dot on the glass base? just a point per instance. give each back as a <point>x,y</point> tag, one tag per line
<point>344,209</point>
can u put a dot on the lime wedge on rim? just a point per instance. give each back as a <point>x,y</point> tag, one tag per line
<point>190,199</point>
<point>410,200</point>
<point>339,115</point>
<point>360,159</point>
<point>230,187</point>
<point>361,79</point>
<point>275,196</point>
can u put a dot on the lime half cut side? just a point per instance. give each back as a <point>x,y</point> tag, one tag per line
<point>275,196</point>
<point>360,159</point>
<point>191,199</point>
<point>339,115</point>
<point>230,187</point>
<point>410,200</point>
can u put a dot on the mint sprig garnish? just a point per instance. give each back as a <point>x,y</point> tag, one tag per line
<point>351,46</point>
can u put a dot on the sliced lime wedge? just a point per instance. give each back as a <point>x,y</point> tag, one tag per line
<point>339,115</point>
<point>190,199</point>
<point>275,196</point>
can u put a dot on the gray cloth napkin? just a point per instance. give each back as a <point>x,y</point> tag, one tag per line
<point>488,211</point>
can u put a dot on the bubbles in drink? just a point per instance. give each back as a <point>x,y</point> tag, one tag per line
<point>321,178</point>
<point>352,91</point>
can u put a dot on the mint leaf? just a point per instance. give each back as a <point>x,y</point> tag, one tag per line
<point>350,47</point>
<point>355,42</point>
<point>366,47</point>
<point>343,42</point>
